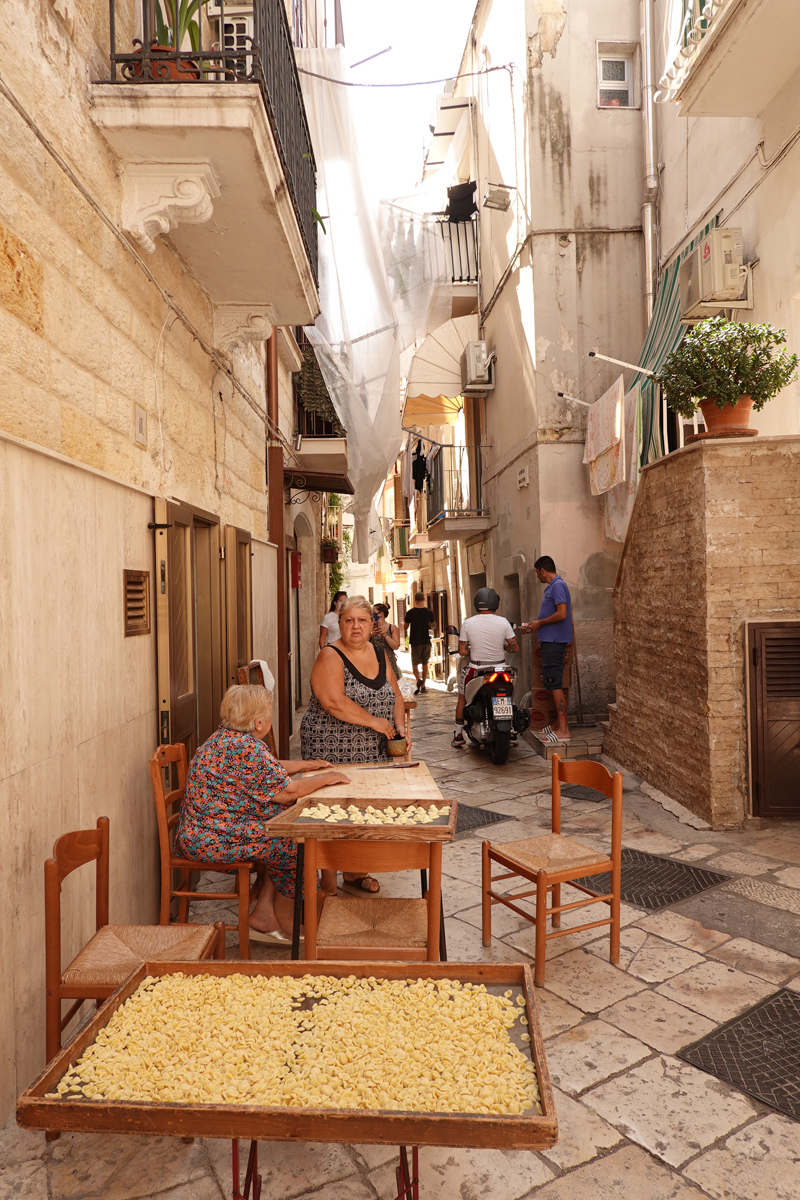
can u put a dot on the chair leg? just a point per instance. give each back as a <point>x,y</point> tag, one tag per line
<point>183,905</point>
<point>244,912</point>
<point>555,919</point>
<point>219,949</point>
<point>486,903</point>
<point>616,888</point>
<point>541,928</point>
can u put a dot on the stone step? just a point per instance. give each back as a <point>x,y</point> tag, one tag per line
<point>612,708</point>
<point>606,725</point>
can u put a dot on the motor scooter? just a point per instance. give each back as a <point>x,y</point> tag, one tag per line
<point>490,714</point>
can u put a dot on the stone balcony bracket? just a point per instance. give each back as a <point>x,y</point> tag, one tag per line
<point>157,197</point>
<point>241,324</point>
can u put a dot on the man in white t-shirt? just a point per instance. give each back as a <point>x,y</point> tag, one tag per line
<point>329,625</point>
<point>485,638</point>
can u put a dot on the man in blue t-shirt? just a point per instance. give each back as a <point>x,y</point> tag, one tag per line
<point>553,629</point>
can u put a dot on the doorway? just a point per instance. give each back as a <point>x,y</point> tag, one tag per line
<point>774,718</point>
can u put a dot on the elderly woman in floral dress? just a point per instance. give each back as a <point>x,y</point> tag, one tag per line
<point>234,785</point>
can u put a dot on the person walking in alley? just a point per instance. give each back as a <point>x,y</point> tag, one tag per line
<point>553,629</point>
<point>485,638</point>
<point>418,626</point>
<point>329,625</point>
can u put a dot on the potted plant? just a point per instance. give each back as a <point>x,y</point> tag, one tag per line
<point>329,549</point>
<point>728,369</point>
<point>175,21</point>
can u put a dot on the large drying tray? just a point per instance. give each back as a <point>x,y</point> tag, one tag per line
<point>525,1132</point>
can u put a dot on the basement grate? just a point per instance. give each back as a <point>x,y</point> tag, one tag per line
<point>652,882</point>
<point>470,816</point>
<point>577,791</point>
<point>758,1052</point>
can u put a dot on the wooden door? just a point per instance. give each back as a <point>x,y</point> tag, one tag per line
<point>774,651</point>
<point>239,601</point>
<point>189,623</point>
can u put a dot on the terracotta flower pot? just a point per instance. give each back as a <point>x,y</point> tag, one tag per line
<point>727,421</point>
<point>176,69</point>
<point>329,554</point>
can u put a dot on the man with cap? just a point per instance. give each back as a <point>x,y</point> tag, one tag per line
<point>485,638</point>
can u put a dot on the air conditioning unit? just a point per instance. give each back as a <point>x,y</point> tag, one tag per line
<point>476,369</point>
<point>714,275</point>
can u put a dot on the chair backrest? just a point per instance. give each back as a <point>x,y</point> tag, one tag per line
<point>73,850</point>
<point>256,675</point>
<point>167,756</point>
<point>589,774</point>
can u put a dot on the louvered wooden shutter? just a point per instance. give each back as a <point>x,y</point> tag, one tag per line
<point>136,586</point>
<point>775,718</point>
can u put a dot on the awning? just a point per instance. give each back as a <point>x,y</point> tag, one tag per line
<point>317,481</point>
<point>434,378</point>
<point>432,410</point>
<point>664,334</point>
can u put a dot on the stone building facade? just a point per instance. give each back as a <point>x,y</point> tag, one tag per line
<point>713,545</point>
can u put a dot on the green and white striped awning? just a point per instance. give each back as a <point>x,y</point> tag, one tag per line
<point>665,334</point>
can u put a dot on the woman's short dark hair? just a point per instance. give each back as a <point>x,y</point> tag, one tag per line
<point>337,597</point>
<point>383,607</point>
<point>545,563</point>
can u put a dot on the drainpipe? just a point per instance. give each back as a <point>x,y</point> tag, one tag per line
<point>277,533</point>
<point>651,179</point>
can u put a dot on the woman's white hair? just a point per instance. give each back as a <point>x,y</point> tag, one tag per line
<point>356,602</point>
<point>243,705</point>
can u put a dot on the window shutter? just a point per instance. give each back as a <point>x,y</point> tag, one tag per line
<point>782,667</point>
<point>136,586</point>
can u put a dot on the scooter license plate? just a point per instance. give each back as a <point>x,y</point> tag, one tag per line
<point>502,708</point>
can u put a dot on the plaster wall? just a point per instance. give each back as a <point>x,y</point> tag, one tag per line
<point>711,169</point>
<point>712,544</point>
<point>77,721</point>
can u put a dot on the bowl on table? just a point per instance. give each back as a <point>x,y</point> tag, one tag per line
<point>396,747</point>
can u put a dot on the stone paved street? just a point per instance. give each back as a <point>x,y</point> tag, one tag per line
<point>635,1122</point>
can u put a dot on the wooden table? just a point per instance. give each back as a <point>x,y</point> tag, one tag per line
<point>370,783</point>
<point>528,1131</point>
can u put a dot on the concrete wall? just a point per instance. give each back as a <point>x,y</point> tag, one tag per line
<point>77,721</point>
<point>713,543</point>
<point>578,285</point>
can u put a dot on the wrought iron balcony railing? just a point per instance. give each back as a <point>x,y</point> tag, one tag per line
<point>455,483</point>
<point>460,248</point>
<point>259,51</point>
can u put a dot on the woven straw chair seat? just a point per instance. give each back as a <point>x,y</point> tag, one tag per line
<point>375,922</point>
<point>116,950</point>
<point>551,852</point>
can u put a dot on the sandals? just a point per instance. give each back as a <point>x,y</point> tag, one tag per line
<point>275,937</point>
<point>358,885</point>
<point>548,734</point>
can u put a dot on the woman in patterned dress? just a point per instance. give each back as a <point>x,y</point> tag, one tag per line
<point>355,703</point>
<point>386,635</point>
<point>234,785</point>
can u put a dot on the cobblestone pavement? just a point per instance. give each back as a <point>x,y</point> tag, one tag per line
<point>635,1122</point>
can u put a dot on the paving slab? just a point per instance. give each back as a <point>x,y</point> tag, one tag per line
<point>740,916</point>
<point>658,1021</point>
<point>760,1162</point>
<point>586,1055</point>
<point>652,843</point>
<point>525,938</point>
<point>716,990</point>
<point>742,862</point>
<point>464,945</point>
<point>676,927</point>
<point>789,877</point>
<point>670,1108</point>
<point>286,1168</point>
<point>648,957</point>
<point>627,1174</point>
<point>26,1180</point>
<point>587,982</point>
<point>695,853</point>
<point>759,960</point>
<point>555,1015</point>
<point>582,1135</point>
<point>469,1175</point>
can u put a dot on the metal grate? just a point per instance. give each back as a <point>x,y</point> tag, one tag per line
<point>471,817</point>
<point>758,1052</point>
<point>652,882</point>
<point>577,791</point>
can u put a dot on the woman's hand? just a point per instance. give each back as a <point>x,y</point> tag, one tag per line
<point>386,728</point>
<point>315,764</point>
<point>330,778</point>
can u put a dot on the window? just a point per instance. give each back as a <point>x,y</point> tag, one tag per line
<point>615,76</point>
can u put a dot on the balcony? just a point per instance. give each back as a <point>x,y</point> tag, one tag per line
<point>404,555</point>
<point>459,258</point>
<point>454,505</point>
<point>734,58</point>
<point>215,152</point>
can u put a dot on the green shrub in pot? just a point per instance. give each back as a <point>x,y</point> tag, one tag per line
<point>721,361</point>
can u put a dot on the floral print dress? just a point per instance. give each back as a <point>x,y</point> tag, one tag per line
<point>229,795</point>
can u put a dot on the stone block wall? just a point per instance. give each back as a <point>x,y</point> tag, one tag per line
<point>714,542</point>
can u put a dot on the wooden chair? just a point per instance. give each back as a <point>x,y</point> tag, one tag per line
<point>551,860</point>
<point>256,675</point>
<point>164,757</point>
<point>114,950</point>
<point>373,928</point>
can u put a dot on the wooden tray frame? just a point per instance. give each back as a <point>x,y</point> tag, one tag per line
<point>358,1126</point>
<point>286,823</point>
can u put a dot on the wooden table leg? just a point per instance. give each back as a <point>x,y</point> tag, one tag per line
<point>252,1179</point>
<point>407,1180</point>
<point>298,899</point>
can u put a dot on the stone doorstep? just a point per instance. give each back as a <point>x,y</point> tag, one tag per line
<point>585,743</point>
